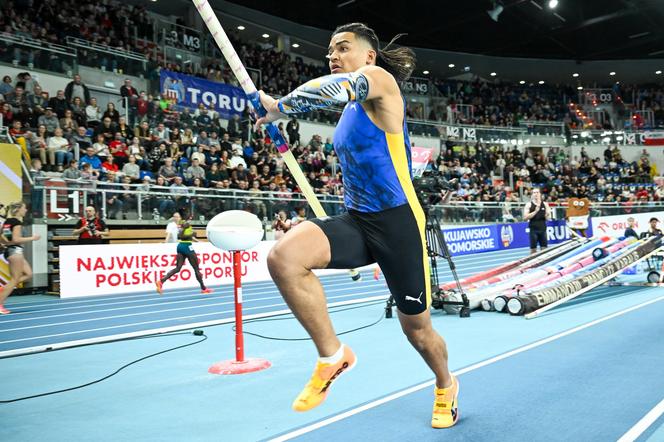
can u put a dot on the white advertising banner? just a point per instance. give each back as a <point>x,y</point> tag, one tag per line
<point>614,226</point>
<point>95,270</point>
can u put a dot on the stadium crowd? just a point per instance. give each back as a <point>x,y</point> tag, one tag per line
<point>126,27</point>
<point>197,149</point>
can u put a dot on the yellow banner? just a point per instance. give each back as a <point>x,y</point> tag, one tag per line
<point>11,181</point>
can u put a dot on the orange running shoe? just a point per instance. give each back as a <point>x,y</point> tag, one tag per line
<point>159,287</point>
<point>315,392</point>
<point>3,310</point>
<point>207,291</point>
<point>446,405</point>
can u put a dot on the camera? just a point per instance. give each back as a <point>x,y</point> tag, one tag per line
<point>92,227</point>
<point>430,186</point>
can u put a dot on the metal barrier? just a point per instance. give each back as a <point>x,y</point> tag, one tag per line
<point>37,54</point>
<point>109,59</point>
<point>63,199</point>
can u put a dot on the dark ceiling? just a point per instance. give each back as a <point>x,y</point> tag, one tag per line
<point>576,29</point>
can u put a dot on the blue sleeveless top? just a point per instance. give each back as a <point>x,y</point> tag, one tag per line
<point>376,165</point>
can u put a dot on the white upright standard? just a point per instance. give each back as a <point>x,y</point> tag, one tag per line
<point>236,231</point>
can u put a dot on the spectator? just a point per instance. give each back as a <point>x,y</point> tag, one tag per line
<point>76,88</point>
<point>72,172</point>
<point>131,94</point>
<point>107,128</point>
<point>203,120</point>
<point>629,231</point>
<point>199,156</point>
<point>173,228</point>
<point>91,158</point>
<point>194,171</point>
<point>131,169</point>
<point>109,165</point>
<point>111,113</point>
<point>88,173</point>
<point>78,110</point>
<point>81,141</point>
<point>168,171</point>
<point>180,195</point>
<point>68,124</point>
<point>213,176</point>
<point>59,104</point>
<point>300,216</point>
<point>165,205</point>
<point>49,120</point>
<point>124,129</point>
<point>142,108</point>
<point>157,156</point>
<point>38,143</point>
<point>138,152</point>
<point>118,149</point>
<point>92,113</point>
<point>202,144</point>
<point>652,228</point>
<point>101,148</point>
<point>128,196</point>
<point>18,102</point>
<point>281,224</point>
<point>59,150</point>
<point>161,134</point>
<point>36,195</point>
<point>90,229</point>
<point>293,130</point>
<point>6,86</point>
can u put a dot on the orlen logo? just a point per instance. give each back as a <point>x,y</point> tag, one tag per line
<point>603,226</point>
<point>506,235</point>
<point>616,227</point>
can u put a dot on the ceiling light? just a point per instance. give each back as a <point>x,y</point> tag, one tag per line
<point>266,35</point>
<point>575,75</point>
<point>466,68</point>
<point>522,82</point>
<point>295,45</point>
<point>658,72</point>
<point>241,28</point>
<point>553,4</point>
<point>612,73</point>
<point>451,65</point>
<point>580,88</point>
<point>493,74</point>
<point>425,72</point>
<point>541,82</point>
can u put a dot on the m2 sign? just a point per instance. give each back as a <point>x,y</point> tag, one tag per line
<point>190,91</point>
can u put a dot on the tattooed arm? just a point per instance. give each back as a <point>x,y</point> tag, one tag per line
<point>367,83</point>
<point>324,92</point>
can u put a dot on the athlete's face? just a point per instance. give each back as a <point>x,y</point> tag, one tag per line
<point>347,53</point>
<point>536,195</point>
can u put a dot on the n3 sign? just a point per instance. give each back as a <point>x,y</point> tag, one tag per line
<point>73,201</point>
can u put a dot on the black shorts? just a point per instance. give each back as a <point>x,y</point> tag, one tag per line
<point>538,236</point>
<point>394,239</point>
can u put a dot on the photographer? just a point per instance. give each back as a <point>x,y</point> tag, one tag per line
<point>281,224</point>
<point>537,213</point>
<point>91,229</point>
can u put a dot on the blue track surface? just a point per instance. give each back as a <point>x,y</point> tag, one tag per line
<point>585,386</point>
<point>47,322</point>
<point>593,384</point>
